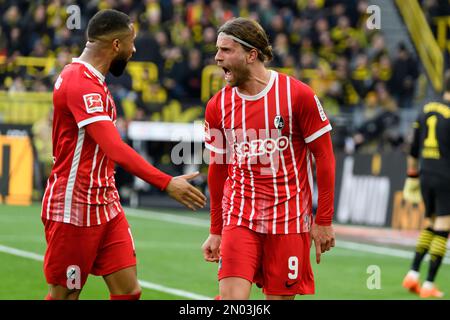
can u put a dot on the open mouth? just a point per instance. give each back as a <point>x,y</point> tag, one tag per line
<point>227,72</point>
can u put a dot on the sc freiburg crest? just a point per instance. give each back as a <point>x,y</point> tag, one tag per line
<point>278,122</point>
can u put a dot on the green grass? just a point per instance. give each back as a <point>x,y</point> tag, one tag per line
<point>169,255</point>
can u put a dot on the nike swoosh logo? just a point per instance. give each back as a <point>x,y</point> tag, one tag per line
<point>288,285</point>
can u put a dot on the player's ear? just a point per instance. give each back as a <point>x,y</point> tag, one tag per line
<point>252,56</point>
<point>116,45</point>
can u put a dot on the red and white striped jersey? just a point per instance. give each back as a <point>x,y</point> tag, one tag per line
<point>81,188</point>
<point>270,181</point>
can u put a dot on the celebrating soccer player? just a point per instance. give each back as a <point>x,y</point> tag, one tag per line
<point>85,225</point>
<point>262,130</point>
<point>430,159</point>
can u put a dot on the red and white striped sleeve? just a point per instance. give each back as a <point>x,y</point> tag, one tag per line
<point>313,120</point>
<point>86,101</point>
<point>214,136</point>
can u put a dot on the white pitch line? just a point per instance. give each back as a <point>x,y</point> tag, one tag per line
<point>380,250</point>
<point>166,217</point>
<point>21,253</point>
<point>144,284</point>
<point>173,218</point>
<point>175,292</point>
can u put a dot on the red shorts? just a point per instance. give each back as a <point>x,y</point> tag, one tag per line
<point>279,263</point>
<point>74,252</point>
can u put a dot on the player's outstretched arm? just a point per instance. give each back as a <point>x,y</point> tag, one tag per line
<point>322,231</point>
<point>107,137</point>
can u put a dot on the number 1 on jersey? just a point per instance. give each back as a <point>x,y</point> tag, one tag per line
<point>431,140</point>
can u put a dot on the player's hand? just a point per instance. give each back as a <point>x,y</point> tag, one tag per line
<point>181,190</point>
<point>211,248</point>
<point>324,239</point>
<point>411,190</point>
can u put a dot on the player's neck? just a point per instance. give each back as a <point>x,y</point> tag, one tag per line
<point>96,60</point>
<point>258,80</point>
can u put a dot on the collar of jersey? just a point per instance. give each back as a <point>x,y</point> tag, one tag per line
<point>263,92</point>
<point>97,73</point>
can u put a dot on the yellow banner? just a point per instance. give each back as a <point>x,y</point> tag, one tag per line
<point>16,170</point>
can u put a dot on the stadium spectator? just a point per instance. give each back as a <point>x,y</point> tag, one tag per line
<point>379,128</point>
<point>12,21</point>
<point>42,140</point>
<point>382,70</point>
<point>192,75</point>
<point>377,47</point>
<point>433,9</point>
<point>17,85</point>
<point>361,75</point>
<point>147,47</point>
<point>404,76</point>
<point>281,49</point>
<point>173,73</point>
<point>208,46</point>
<point>296,33</point>
<point>15,42</point>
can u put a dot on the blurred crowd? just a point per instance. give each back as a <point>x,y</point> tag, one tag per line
<point>437,13</point>
<point>435,8</point>
<point>325,43</point>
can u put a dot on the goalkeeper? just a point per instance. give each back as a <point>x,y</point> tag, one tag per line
<point>429,178</point>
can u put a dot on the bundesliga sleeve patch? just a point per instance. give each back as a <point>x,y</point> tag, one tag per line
<point>319,107</point>
<point>58,82</point>
<point>207,131</point>
<point>93,102</point>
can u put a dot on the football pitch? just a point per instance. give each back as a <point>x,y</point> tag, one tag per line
<point>171,265</point>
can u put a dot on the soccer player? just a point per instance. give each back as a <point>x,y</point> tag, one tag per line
<point>262,130</point>
<point>85,225</point>
<point>428,166</point>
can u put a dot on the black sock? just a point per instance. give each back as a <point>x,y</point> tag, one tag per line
<point>423,244</point>
<point>437,252</point>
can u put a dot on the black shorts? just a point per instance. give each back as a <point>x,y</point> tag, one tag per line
<point>436,194</point>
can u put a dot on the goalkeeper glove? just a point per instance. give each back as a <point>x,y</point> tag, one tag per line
<point>411,190</point>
